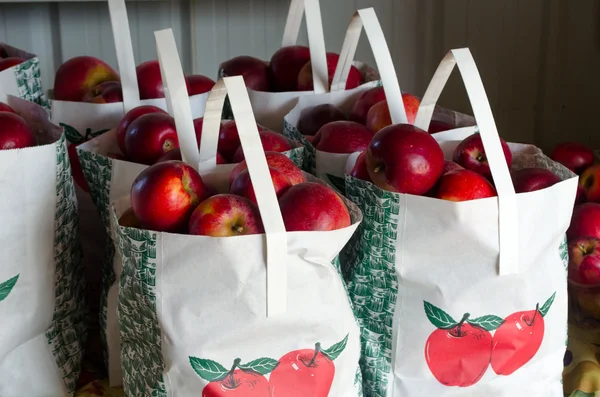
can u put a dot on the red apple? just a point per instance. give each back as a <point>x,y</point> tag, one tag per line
<point>364,102</point>
<point>198,84</point>
<point>149,137</point>
<point>9,62</point>
<point>226,215</point>
<point>471,155</point>
<point>229,140</point>
<point>3,52</point>
<point>584,260</point>
<point>436,126</point>
<point>450,166</point>
<point>242,184</point>
<point>309,138</point>
<point>150,80</point>
<point>311,206</point>
<point>305,76</point>
<point>285,66</point>
<point>175,154</point>
<point>78,75</point>
<point>379,116</point>
<point>532,179</point>
<point>14,132</point>
<point>106,92</point>
<point>360,168</point>
<point>585,221</point>
<point>404,159</point>
<point>271,141</point>
<point>130,117</point>
<point>589,181</point>
<point>5,108</point>
<point>255,72</point>
<point>464,185</point>
<point>575,156</point>
<point>342,137</point>
<point>237,383</point>
<point>312,119</point>
<point>580,196</point>
<point>164,195</point>
<point>275,160</point>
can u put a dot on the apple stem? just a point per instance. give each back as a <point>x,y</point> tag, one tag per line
<point>462,321</point>
<point>317,351</point>
<point>537,309</point>
<point>377,168</point>
<point>238,229</point>
<point>236,362</point>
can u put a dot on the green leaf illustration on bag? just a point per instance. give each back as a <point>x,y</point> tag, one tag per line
<point>7,286</point>
<point>459,353</point>
<point>75,137</point>
<point>241,380</point>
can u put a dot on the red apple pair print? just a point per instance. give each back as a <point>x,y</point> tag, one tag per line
<point>299,373</point>
<point>458,353</point>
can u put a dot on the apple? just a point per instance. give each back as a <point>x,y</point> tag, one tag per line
<point>360,168</point>
<point>78,75</point>
<point>312,119</point>
<point>470,154</point>
<point>225,215</point>
<point>439,126</point>
<point>309,138</point>
<point>584,260</point>
<point>255,72</point>
<point>404,159</point>
<point>3,52</point>
<point>379,116</point>
<point>164,195</point>
<point>305,76</point>
<point>242,184</point>
<point>150,80</point>
<point>149,137</point>
<point>198,84</point>
<point>5,108</point>
<point>130,117</point>
<point>271,141</point>
<point>275,160</point>
<point>9,62</point>
<point>76,170</point>
<point>128,219</point>
<point>342,137</point>
<point>285,66</point>
<point>175,154</point>
<point>229,139</point>
<point>580,196</point>
<point>364,102</point>
<point>237,383</point>
<point>575,156</point>
<point>589,181</point>
<point>311,206</point>
<point>464,185</point>
<point>532,179</point>
<point>450,166</point>
<point>106,92</point>
<point>585,221</point>
<point>14,132</point>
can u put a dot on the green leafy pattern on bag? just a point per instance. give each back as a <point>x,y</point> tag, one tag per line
<point>68,331</point>
<point>564,252</point>
<point>141,353</point>
<point>373,283</point>
<point>98,173</point>
<point>296,155</point>
<point>310,153</point>
<point>29,82</point>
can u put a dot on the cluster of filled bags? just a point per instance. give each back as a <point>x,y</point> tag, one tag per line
<point>301,227</point>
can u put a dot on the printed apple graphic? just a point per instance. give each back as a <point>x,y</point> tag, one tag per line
<point>573,155</point>
<point>242,380</point>
<point>584,260</point>
<point>278,161</point>
<point>458,353</point>
<point>518,339</point>
<point>254,71</point>
<point>106,92</point>
<point>470,154</point>
<point>306,372</point>
<point>285,67</point>
<point>225,215</point>
<point>129,118</point>
<point>312,119</point>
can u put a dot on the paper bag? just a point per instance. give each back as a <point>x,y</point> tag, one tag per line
<point>463,298</point>
<point>23,80</point>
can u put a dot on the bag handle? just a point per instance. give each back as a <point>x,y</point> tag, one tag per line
<point>508,216</point>
<point>124,49</point>
<point>316,38</point>
<point>367,18</point>
<point>235,89</point>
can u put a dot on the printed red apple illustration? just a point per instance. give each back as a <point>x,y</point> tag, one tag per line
<point>242,380</point>
<point>306,372</point>
<point>7,286</point>
<point>458,353</point>
<point>519,338</point>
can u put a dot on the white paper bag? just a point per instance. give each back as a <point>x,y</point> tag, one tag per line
<point>442,289</point>
<point>331,167</point>
<point>42,301</point>
<point>23,80</point>
<point>206,316</point>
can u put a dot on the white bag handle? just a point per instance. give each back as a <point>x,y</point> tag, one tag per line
<point>367,18</point>
<point>124,48</point>
<point>508,226</point>
<point>276,238</point>
<point>316,38</point>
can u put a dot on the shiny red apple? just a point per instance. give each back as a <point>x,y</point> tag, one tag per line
<point>149,137</point>
<point>285,66</point>
<point>15,132</point>
<point>305,76</point>
<point>106,92</point>
<point>532,179</point>
<point>342,137</point>
<point>254,71</point>
<point>271,141</point>
<point>360,168</point>
<point>150,80</point>
<point>573,155</point>
<point>130,117</point>
<point>585,221</point>
<point>312,119</point>
<point>275,160</point>
<point>379,115</point>
<point>589,182</point>
<point>225,215</point>
<point>229,139</point>
<point>198,84</point>
<point>584,260</point>
<point>242,184</point>
<point>5,108</point>
<point>364,103</point>
<point>75,77</point>
<point>464,185</point>
<point>470,154</point>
